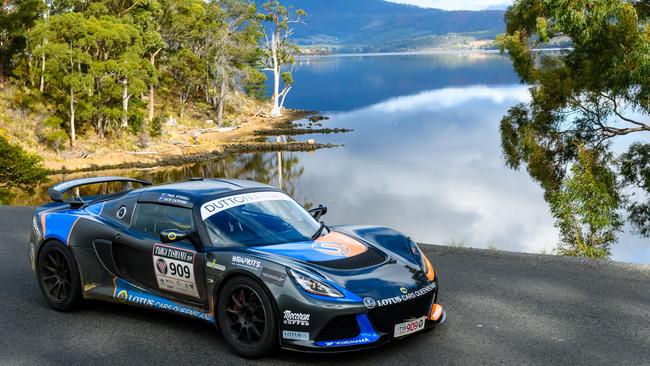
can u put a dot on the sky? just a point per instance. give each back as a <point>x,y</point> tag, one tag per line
<point>457,4</point>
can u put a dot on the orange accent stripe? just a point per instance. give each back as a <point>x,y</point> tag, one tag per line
<point>436,312</point>
<point>67,242</point>
<point>354,247</point>
<point>114,285</point>
<point>431,273</point>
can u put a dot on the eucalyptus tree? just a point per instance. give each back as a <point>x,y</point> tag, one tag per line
<point>583,100</point>
<point>276,23</point>
<point>69,60</point>
<point>232,42</point>
<point>16,19</point>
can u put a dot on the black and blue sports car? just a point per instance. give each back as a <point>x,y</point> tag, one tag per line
<point>238,254</point>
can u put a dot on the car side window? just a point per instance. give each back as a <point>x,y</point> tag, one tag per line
<point>152,218</point>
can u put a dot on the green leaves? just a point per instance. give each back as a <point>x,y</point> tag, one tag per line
<point>587,207</point>
<point>583,99</point>
<point>21,170</point>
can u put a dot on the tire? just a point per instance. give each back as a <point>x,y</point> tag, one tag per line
<point>58,277</point>
<point>241,305</point>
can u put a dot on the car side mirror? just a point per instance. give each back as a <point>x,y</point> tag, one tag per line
<point>318,212</point>
<point>173,235</point>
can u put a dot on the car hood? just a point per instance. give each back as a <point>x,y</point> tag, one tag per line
<point>363,266</point>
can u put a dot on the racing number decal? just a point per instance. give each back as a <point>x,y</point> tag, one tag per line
<point>174,268</point>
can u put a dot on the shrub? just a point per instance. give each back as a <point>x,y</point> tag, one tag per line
<point>136,123</point>
<point>52,134</point>
<point>21,170</point>
<point>156,127</point>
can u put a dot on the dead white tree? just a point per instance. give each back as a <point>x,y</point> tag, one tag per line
<point>276,25</point>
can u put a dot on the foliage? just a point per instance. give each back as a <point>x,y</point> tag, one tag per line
<point>156,127</point>
<point>583,99</point>
<point>21,170</point>
<point>97,64</point>
<point>52,133</point>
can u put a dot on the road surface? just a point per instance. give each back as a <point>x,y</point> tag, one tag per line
<point>503,309</point>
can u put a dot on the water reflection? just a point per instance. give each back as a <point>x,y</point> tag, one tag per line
<point>279,169</point>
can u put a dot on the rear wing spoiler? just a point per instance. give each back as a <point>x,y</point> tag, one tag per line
<point>58,191</point>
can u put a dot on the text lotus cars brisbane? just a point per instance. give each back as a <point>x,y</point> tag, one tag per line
<point>238,254</point>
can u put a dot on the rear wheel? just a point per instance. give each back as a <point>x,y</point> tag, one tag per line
<point>246,318</point>
<point>58,277</point>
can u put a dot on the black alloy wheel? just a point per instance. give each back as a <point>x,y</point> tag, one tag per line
<point>246,318</point>
<point>58,277</point>
<point>246,315</point>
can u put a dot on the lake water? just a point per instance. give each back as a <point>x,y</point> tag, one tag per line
<point>424,156</point>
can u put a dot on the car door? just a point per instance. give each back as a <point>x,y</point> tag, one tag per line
<point>173,269</point>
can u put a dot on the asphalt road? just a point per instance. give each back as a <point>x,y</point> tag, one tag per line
<point>503,308</point>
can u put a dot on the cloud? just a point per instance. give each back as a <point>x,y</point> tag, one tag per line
<point>457,5</point>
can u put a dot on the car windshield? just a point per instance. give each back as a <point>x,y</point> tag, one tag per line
<point>257,219</point>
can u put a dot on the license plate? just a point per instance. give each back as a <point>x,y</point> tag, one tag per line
<point>410,326</point>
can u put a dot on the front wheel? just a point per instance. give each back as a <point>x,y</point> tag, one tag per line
<point>246,318</point>
<point>58,277</point>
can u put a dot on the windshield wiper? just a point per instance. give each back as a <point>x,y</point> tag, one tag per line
<point>319,231</point>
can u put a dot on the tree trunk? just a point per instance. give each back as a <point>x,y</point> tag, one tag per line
<point>152,60</point>
<point>222,99</point>
<point>125,103</point>
<point>73,135</point>
<point>151,103</point>
<point>42,86</point>
<point>182,106</point>
<point>275,112</point>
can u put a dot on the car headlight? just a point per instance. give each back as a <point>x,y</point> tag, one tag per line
<point>312,285</point>
<point>422,259</point>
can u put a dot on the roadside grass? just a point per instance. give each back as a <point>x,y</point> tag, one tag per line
<point>492,246</point>
<point>456,243</point>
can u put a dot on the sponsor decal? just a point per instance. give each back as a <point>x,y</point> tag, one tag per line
<point>177,199</point>
<point>123,296</point>
<point>171,236</point>
<point>291,318</point>
<point>121,212</point>
<point>221,204</point>
<point>274,277</point>
<point>296,336</point>
<point>338,245</point>
<point>89,286</point>
<point>369,302</point>
<point>250,263</point>
<point>214,265</point>
<point>174,268</point>
<point>403,290</point>
<point>406,296</point>
<point>347,342</point>
<point>161,265</point>
<point>144,299</point>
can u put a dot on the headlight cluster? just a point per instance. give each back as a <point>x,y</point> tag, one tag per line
<point>422,259</point>
<point>313,286</point>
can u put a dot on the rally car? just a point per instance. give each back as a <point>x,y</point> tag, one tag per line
<point>239,254</point>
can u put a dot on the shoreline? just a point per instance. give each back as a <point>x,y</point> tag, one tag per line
<point>194,145</point>
<point>441,51</point>
<point>225,151</point>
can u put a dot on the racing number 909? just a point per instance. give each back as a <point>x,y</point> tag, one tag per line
<point>179,270</point>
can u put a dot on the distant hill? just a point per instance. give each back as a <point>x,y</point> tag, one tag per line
<point>377,25</point>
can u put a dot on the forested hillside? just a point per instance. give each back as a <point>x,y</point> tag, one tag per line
<point>117,66</point>
<point>377,25</point>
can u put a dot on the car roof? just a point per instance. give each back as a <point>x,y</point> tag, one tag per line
<point>194,191</point>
